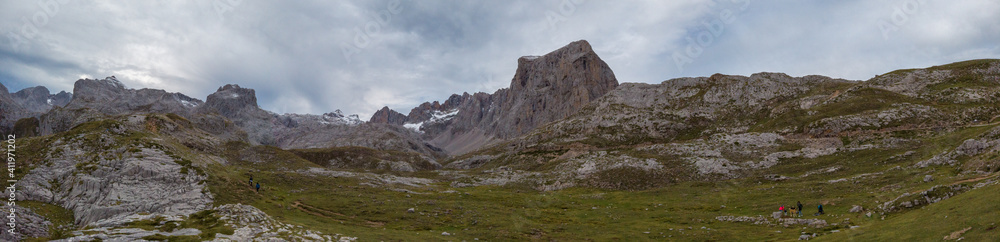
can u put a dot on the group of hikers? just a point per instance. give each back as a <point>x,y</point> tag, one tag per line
<point>797,210</point>
<point>251,183</point>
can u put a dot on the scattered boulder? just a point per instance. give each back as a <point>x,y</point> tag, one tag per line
<point>856,209</point>
<point>813,222</point>
<point>957,234</point>
<point>928,178</point>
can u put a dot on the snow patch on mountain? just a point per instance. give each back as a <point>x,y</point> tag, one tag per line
<point>414,126</point>
<point>436,117</point>
<point>327,119</point>
<point>185,102</point>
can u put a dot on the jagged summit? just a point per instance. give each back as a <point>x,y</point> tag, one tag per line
<point>231,100</point>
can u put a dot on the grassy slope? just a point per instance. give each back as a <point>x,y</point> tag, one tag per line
<point>977,209</point>
<point>344,206</point>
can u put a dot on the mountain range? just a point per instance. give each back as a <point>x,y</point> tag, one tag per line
<point>103,152</point>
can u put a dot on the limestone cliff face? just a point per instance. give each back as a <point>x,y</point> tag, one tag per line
<point>551,87</point>
<point>544,89</point>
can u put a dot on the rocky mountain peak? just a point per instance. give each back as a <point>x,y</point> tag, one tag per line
<point>38,93</point>
<point>231,99</point>
<point>552,87</point>
<point>39,100</point>
<point>388,116</point>
<point>96,90</point>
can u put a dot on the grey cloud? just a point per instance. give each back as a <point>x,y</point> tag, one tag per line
<point>293,52</point>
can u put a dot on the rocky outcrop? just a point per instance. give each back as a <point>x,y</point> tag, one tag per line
<point>388,116</point>
<point>29,224</point>
<point>970,81</point>
<point>105,176</point>
<point>254,225</point>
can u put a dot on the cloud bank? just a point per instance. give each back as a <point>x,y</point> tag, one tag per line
<point>318,56</point>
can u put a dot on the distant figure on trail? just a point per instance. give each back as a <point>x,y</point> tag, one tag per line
<point>251,180</point>
<point>258,190</point>
<point>820,209</point>
<point>782,210</point>
<point>799,203</point>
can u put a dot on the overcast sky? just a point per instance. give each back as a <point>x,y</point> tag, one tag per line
<point>319,56</point>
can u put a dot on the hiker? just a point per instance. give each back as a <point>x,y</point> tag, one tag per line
<point>258,190</point>
<point>821,209</point>
<point>251,180</point>
<point>799,203</point>
<point>782,210</point>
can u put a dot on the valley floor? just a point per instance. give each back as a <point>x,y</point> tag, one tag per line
<point>685,211</point>
<point>867,194</point>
